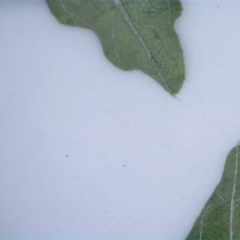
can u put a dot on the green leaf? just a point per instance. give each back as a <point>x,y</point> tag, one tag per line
<point>220,218</point>
<point>135,34</point>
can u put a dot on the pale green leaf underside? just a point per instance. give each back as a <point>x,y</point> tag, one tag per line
<point>134,34</point>
<point>220,218</point>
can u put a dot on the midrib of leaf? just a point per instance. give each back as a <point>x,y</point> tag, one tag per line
<point>232,206</point>
<point>220,220</point>
<point>119,4</point>
<point>166,67</point>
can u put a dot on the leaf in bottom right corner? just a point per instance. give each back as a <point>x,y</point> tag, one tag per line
<point>220,217</point>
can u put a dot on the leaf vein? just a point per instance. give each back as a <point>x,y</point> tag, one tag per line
<point>119,4</point>
<point>232,206</point>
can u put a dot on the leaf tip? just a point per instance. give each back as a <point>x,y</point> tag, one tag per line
<point>175,96</point>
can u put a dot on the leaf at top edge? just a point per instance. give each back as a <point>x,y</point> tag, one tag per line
<point>220,218</point>
<point>135,34</point>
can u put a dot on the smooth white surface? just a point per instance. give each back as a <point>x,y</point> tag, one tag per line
<point>90,151</point>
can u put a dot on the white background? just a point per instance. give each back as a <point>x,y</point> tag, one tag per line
<point>90,151</point>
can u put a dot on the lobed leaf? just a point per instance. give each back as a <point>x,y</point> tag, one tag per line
<point>135,34</point>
